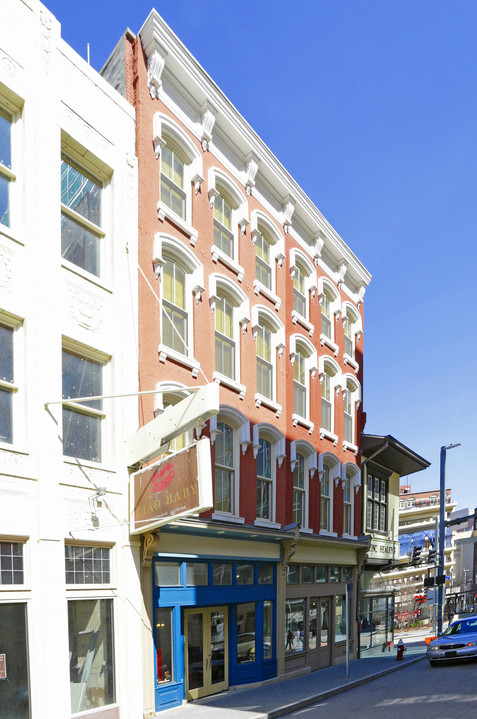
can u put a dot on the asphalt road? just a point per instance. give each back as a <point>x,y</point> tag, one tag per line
<point>416,692</point>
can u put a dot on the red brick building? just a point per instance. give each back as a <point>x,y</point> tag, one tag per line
<point>244,283</point>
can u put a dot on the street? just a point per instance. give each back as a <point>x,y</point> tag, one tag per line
<point>415,692</point>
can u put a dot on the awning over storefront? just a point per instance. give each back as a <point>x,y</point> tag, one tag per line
<point>392,454</point>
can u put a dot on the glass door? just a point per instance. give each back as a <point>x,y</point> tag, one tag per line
<point>324,646</point>
<point>206,651</point>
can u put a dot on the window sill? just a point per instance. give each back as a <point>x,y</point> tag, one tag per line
<point>306,530</point>
<point>93,279</point>
<point>296,317</point>
<point>229,262</point>
<point>349,536</point>
<point>166,353</point>
<point>352,447</point>
<point>261,399</point>
<point>259,288</point>
<point>266,523</point>
<point>231,383</point>
<point>297,419</point>
<point>324,340</point>
<point>165,212</point>
<point>9,234</point>
<point>224,517</point>
<point>89,464</point>
<point>329,435</point>
<point>326,533</point>
<point>349,360</point>
<point>14,450</point>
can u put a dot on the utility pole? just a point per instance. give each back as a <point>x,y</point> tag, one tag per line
<point>442,530</point>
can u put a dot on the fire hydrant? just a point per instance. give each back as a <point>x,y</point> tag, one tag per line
<point>400,650</point>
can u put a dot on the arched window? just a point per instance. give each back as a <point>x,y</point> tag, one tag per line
<point>330,375</point>
<point>169,394</point>
<point>181,280</point>
<point>268,243</point>
<point>350,480</point>
<point>303,462</point>
<point>172,180</point>
<point>303,357</point>
<point>329,471</point>
<point>229,431</point>
<point>299,490</point>
<point>223,233</point>
<point>269,334</point>
<point>224,337</point>
<point>230,306</point>
<point>230,210</point>
<point>304,286</point>
<point>351,398</point>
<point>328,297</point>
<point>268,449</point>
<point>352,327</point>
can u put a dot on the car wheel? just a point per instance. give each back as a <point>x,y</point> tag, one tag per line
<point>433,664</point>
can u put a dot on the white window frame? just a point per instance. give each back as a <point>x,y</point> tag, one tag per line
<point>221,184</point>
<point>310,456</point>
<point>94,355</point>
<point>221,285</point>
<point>167,132</point>
<point>298,259</point>
<point>102,176</point>
<point>335,384</point>
<point>11,104</point>
<point>352,323</point>
<point>241,441</point>
<point>15,388</point>
<point>355,483</point>
<point>176,391</point>
<point>327,288</point>
<point>166,246</point>
<point>277,441</point>
<point>329,460</point>
<point>351,389</point>
<point>300,343</point>
<point>260,314</point>
<point>261,224</point>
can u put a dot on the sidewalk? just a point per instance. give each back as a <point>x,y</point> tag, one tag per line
<point>277,698</point>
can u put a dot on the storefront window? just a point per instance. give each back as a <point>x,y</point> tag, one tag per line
<point>90,628</point>
<point>267,630</point>
<point>340,618</point>
<point>246,632</point>
<point>222,574</point>
<point>347,574</point>
<point>168,574</point>
<point>334,574</point>
<point>164,645</point>
<point>292,574</point>
<point>265,574</point>
<point>306,575</point>
<point>376,623</point>
<point>14,689</point>
<point>244,573</point>
<point>294,625</point>
<point>196,574</point>
<point>322,574</point>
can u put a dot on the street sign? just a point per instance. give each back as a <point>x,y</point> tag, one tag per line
<point>177,486</point>
<point>153,438</point>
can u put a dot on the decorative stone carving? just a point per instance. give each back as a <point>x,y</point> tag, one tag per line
<point>5,272</point>
<point>252,167</point>
<point>155,67</point>
<point>288,210</point>
<point>45,30</point>
<point>8,66</point>
<point>341,273</point>
<point>207,122</point>
<point>86,311</point>
<point>150,540</point>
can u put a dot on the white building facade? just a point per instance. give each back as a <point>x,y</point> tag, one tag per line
<point>68,307</point>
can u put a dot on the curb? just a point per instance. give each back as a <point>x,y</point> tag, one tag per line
<point>294,706</point>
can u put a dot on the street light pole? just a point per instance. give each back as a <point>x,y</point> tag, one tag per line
<point>442,531</point>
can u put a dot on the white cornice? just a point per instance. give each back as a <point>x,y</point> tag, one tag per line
<point>199,85</point>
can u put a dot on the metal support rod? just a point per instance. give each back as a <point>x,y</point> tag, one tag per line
<point>160,390</point>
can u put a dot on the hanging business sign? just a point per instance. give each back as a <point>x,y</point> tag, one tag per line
<point>175,487</point>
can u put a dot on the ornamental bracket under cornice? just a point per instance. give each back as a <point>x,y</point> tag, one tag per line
<point>208,113</point>
<point>289,548</point>
<point>149,544</point>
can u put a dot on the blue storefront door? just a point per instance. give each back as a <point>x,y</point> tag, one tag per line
<point>206,651</point>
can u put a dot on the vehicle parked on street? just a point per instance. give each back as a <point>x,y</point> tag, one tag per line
<point>459,641</point>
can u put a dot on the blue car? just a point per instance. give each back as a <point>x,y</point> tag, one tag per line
<point>459,641</point>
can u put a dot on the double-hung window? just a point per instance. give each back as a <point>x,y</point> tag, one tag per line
<point>326,402</point>
<point>223,230</point>
<point>348,336</point>
<point>264,361</point>
<point>6,175</point>
<point>347,521</point>
<point>299,297</point>
<point>172,181</point>
<point>224,337</point>
<point>299,490</point>
<point>224,469</point>
<point>326,316</point>
<point>263,270</point>
<point>81,231</point>
<point>264,480</point>
<point>82,421</point>
<point>325,487</point>
<point>7,385</point>
<point>299,384</point>
<point>174,312</point>
<point>348,416</point>
<point>376,503</point>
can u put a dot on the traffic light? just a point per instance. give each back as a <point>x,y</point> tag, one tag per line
<point>431,557</point>
<point>416,555</point>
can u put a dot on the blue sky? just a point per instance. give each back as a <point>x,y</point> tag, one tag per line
<point>372,107</point>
